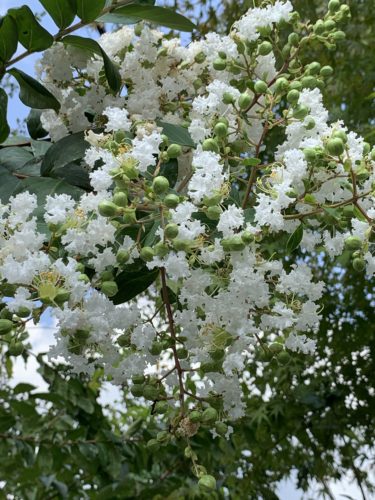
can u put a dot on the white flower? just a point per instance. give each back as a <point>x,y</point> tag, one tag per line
<point>232,218</point>
<point>118,119</point>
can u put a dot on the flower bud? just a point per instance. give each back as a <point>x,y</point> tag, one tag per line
<point>265,48</point>
<point>293,96</point>
<point>160,184</point>
<point>281,85</point>
<point>6,326</point>
<point>138,379</point>
<point>153,445</point>
<point>335,146</point>
<point>214,212</point>
<point>212,200</point>
<point>209,415</point>
<point>161,249</point>
<point>300,112</point>
<point>122,256</point>
<point>310,123</point>
<point>293,39</point>
<point>150,392</point>
<point>260,87</point>
<point>207,482</point>
<point>171,231</point>
<point>219,64</point>
<point>161,407</point>
<point>329,25</point>
<point>195,416</point>
<point>137,390</point>
<point>221,129</point>
<point>334,5</point>
<point>163,437</point>
<point>181,245</point>
<point>129,216</point>
<point>109,288</point>
<point>276,347</point>
<point>247,237</point>
<point>310,154</point>
<point>62,296</point>
<point>326,71</point>
<point>107,209</point>
<point>120,199</point>
<point>156,348</point>
<point>221,428</point>
<point>308,82</point>
<point>359,264</point>
<point>124,340</point>
<point>319,27</point>
<point>16,348</point>
<point>174,151</point>
<point>366,148</point>
<point>200,57</point>
<point>244,100</point>
<point>373,154</point>
<point>283,357</point>
<point>210,145</point>
<point>182,353</point>
<point>147,254</point>
<point>353,243</point>
<point>236,244</point>
<point>23,312</point>
<point>228,98</point>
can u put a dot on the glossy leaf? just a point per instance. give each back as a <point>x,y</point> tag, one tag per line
<point>295,239</point>
<point>111,71</point>
<point>177,134</point>
<point>130,14</point>
<point>8,38</point>
<point>62,11</point>
<point>34,125</point>
<point>66,150</point>
<point>30,33</point>
<point>4,127</point>
<point>33,93</point>
<point>89,10</point>
<point>131,284</point>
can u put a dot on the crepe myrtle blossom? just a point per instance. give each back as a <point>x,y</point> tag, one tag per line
<point>185,199</point>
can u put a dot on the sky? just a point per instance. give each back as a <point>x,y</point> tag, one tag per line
<point>41,336</point>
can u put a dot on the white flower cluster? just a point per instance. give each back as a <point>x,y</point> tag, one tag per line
<point>203,240</point>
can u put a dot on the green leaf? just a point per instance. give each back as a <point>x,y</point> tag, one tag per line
<point>34,125</point>
<point>4,127</point>
<point>23,387</point>
<point>132,283</point>
<point>33,93</point>
<point>111,71</point>
<point>31,34</point>
<point>14,158</point>
<point>8,184</point>
<point>62,11</point>
<point>295,239</point>
<point>67,150</point>
<point>8,38</point>
<point>177,134</point>
<point>89,10</point>
<point>130,14</point>
<point>251,162</point>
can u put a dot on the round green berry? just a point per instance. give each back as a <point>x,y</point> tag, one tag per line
<point>195,416</point>
<point>244,100</point>
<point>260,87</point>
<point>120,199</point>
<point>214,212</point>
<point>161,249</point>
<point>335,146</point>
<point>228,98</point>
<point>293,96</point>
<point>138,379</point>
<point>210,145</point>
<point>300,112</point>
<point>160,184</point>
<point>150,392</point>
<point>265,48</point>
<point>16,348</point>
<point>156,348</point>
<point>147,254</point>
<point>137,390</point>
<point>171,200</point>
<point>109,288</point>
<point>122,256</point>
<point>209,415</point>
<point>153,445</point>
<point>326,71</point>
<point>310,154</point>
<point>207,482</point>
<point>221,428</point>
<point>174,151</point>
<point>359,264</point>
<point>161,407</point>
<point>6,326</point>
<point>171,231</point>
<point>107,209</point>
<point>334,5</point>
<point>281,85</point>
<point>221,129</point>
<point>283,357</point>
<point>219,64</point>
<point>353,243</point>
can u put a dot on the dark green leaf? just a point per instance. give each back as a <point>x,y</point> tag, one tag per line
<point>30,33</point>
<point>111,71</point>
<point>295,239</point>
<point>32,93</point>
<point>251,162</point>
<point>15,158</point>
<point>34,125</point>
<point>73,174</point>
<point>40,148</point>
<point>170,171</point>
<point>131,284</point>
<point>8,38</point>
<point>130,14</point>
<point>67,150</point>
<point>6,422</point>
<point>89,10</point>
<point>8,184</point>
<point>23,387</point>
<point>4,127</point>
<point>177,134</point>
<point>62,11</point>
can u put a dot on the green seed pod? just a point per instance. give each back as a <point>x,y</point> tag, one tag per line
<point>219,64</point>
<point>326,71</point>
<point>353,243</point>
<point>137,390</point>
<point>281,85</point>
<point>329,25</point>
<point>147,254</point>
<point>124,340</point>
<point>276,347</point>
<point>62,296</point>
<point>359,264</point>
<point>228,98</point>
<point>109,288</point>
<point>82,334</point>
<point>260,87</point>
<point>319,27</point>
<point>313,68</point>
<point>171,200</point>
<point>265,48</point>
<point>107,209</point>
<point>161,249</point>
<point>209,415</point>
<point>247,237</point>
<point>106,276</point>
<point>200,57</point>
<point>222,54</point>
<point>340,134</point>
<point>181,245</point>
<point>174,151</point>
<point>335,146</point>
<point>207,483</point>
<point>153,445</point>
<point>244,100</point>
<point>334,5</point>
<point>120,199</point>
<point>296,85</point>
<point>156,348</point>
<point>300,112</point>
<point>366,148</point>
<point>138,379</point>
<point>308,82</point>
<point>285,51</point>
<point>23,312</point>
<point>283,357</point>
<point>213,213</point>
<point>163,437</point>
<point>160,184</point>
<point>293,39</point>
<point>210,145</point>
<point>16,348</point>
<point>161,407</point>
<point>293,96</point>
<point>221,428</point>
<point>197,83</point>
<point>339,36</point>
<point>83,277</point>
<point>6,326</point>
<point>182,353</point>
<point>221,129</point>
<point>195,416</point>
<point>264,30</point>
<point>122,256</point>
<point>171,231</point>
<point>310,154</point>
<point>150,392</point>
<point>119,136</point>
